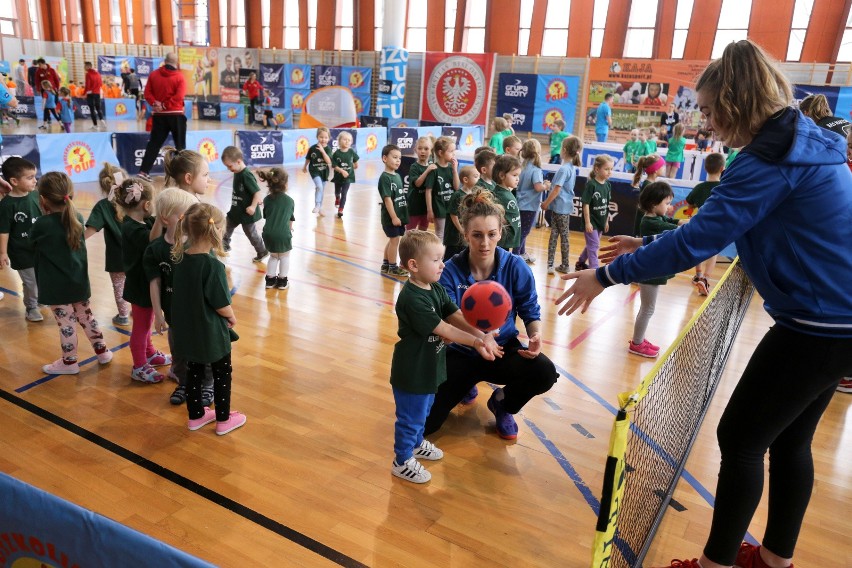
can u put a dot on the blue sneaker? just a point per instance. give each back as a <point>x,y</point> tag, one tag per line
<point>506,426</point>
<point>470,397</point>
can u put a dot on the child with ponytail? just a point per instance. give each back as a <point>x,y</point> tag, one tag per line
<point>652,167</point>
<point>278,210</point>
<point>62,272</point>
<point>560,202</point>
<point>202,316</point>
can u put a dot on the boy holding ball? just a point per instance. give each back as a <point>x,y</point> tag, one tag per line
<point>427,317</point>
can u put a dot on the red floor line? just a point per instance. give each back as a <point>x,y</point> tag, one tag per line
<point>595,326</point>
<point>346,292</point>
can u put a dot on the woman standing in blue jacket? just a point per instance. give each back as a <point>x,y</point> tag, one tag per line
<point>524,371</point>
<point>801,267</point>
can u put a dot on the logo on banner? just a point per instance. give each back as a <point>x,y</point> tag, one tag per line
<point>556,90</point>
<point>280,118</point>
<point>271,76</point>
<point>518,117</point>
<point>232,113</point>
<point>327,78</point>
<point>469,140</point>
<point>456,90</point>
<point>302,147</point>
<point>120,109</point>
<point>297,100</point>
<point>551,116</point>
<point>208,111</point>
<point>263,150</point>
<point>142,67</point>
<point>78,157</point>
<point>207,148</point>
<point>405,142</point>
<point>297,76</point>
<point>615,67</point>
<point>372,142</point>
<point>359,106</point>
<point>516,90</point>
<point>107,65</point>
<point>355,80</point>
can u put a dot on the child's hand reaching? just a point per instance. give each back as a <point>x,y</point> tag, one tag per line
<point>488,348</point>
<point>160,325</point>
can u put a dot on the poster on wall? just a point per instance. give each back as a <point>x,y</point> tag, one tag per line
<point>390,98</point>
<point>235,66</point>
<point>535,102</point>
<point>272,79</point>
<point>642,91</point>
<point>297,76</point>
<point>456,88</point>
<point>198,66</point>
<point>358,79</point>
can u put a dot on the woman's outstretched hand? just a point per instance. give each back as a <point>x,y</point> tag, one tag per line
<point>580,294</point>
<point>621,244</point>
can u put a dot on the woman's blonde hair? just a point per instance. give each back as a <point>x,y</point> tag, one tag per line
<point>815,107</point>
<point>531,152</point>
<point>57,190</point>
<point>748,86</point>
<point>178,163</point>
<point>173,200</point>
<point>202,222</point>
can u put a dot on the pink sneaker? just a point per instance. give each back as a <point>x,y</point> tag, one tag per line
<point>749,557</point>
<point>208,417</point>
<point>158,359</point>
<point>643,349</point>
<point>234,421</point>
<point>146,374</point>
<point>651,345</point>
<point>59,367</point>
<point>105,357</point>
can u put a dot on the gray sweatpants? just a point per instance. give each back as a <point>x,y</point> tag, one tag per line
<point>250,229</point>
<point>648,296</point>
<point>28,277</point>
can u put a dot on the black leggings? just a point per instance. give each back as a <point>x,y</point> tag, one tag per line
<point>95,111</point>
<point>340,192</point>
<point>162,125</point>
<point>50,111</point>
<point>221,388</point>
<point>776,405</point>
<point>523,379</point>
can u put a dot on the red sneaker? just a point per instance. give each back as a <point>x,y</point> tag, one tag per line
<point>684,564</point>
<point>749,557</point>
<point>845,385</point>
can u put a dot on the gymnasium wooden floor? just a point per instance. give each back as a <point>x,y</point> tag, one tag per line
<point>307,483</point>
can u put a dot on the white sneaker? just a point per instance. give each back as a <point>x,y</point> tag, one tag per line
<point>428,451</point>
<point>315,210</point>
<point>551,270</point>
<point>320,213</point>
<point>528,259</point>
<point>411,471</point>
<point>2,295</point>
<point>33,314</point>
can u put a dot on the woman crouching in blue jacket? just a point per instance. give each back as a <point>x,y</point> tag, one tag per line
<point>787,204</point>
<point>524,371</point>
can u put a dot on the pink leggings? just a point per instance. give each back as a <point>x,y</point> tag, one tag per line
<point>67,315</point>
<point>118,291</point>
<point>141,347</point>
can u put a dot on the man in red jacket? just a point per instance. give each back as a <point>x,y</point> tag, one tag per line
<point>46,73</point>
<point>164,91</point>
<point>93,87</point>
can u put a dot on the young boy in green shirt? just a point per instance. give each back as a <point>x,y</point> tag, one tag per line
<point>714,165</point>
<point>394,208</point>
<point>557,135</point>
<point>483,160</point>
<point>630,149</point>
<point>501,129</point>
<point>453,239</point>
<point>18,211</point>
<point>427,317</point>
<point>245,199</point>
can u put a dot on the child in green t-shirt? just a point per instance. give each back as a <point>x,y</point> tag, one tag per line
<point>557,135</point>
<point>714,165</point>
<point>245,199</point>
<point>427,317</point>
<point>674,154</point>
<point>394,213</point>
<point>507,174</point>
<point>453,239</point>
<point>500,129</point>
<point>596,198</point>
<point>279,212</point>
<point>484,159</point>
<point>344,162</point>
<point>317,164</point>
<point>630,148</point>
<point>18,211</point>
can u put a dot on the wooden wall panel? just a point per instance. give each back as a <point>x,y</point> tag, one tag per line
<point>165,22</point>
<point>702,29</point>
<point>254,23</point>
<point>365,25</point>
<point>435,25</point>
<point>214,21</point>
<point>25,28</point>
<point>87,19</point>
<point>664,38</point>
<point>580,28</point>
<point>138,20</point>
<point>502,24</point>
<point>770,25</point>
<point>326,19</point>
<point>537,26</point>
<point>825,31</point>
<point>617,17</point>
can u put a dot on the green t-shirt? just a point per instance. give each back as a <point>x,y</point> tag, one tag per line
<point>390,185</point>
<point>157,263</point>
<point>556,139</point>
<point>651,146</point>
<point>496,140</point>
<point>417,194</point>
<point>17,217</point>
<point>317,166</point>
<point>134,240</point>
<point>654,225</point>
<point>200,288</point>
<point>489,185</point>
<point>642,149</point>
<point>245,186</point>
<point>345,161</point>
<point>419,363</point>
<point>62,274</point>
<point>511,237</point>
<point>597,196</point>
<point>442,190</point>
<point>452,237</point>
<point>700,193</point>
<point>675,152</point>
<point>630,148</point>
<point>278,210</point>
<point>732,153</point>
<point>103,217</point>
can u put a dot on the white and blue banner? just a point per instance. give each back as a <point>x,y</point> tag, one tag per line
<point>115,64</point>
<point>390,99</point>
<point>516,95</point>
<point>210,143</point>
<point>23,146</point>
<point>233,113</point>
<point>26,108</point>
<point>120,109</point>
<point>404,139</point>
<point>272,77</point>
<point>362,102</point>
<point>327,76</point>
<point>130,149</point>
<point>368,121</point>
<point>146,65</point>
<point>81,156</point>
<point>209,111</point>
<point>556,98</point>
<point>261,147</point>
<point>49,531</point>
<point>370,143</point>
<point>357,79</point>
<point>297,76</point>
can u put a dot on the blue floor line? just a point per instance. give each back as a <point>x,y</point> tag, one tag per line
<point>48,378</point>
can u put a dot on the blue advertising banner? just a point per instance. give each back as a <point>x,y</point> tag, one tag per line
<point>295,144</point>
<point>233,113</point>
<point>283,116</point>
<point>358,79</point>
<point>120,109</point>
<point>403,122</point>
<point>327,76</point>
<point>115,64</point>
<point>146,65</point>
<point>297,76</point>
<point>26,108</point>
<point>434,123</point>
<point>21,146</point>
<point>390,98</point>
<point>517,96</point>
<point>187,109</point>
<point>472,138</point>
<point>831,93</point>
<point>404,139</point>
<point>82,110</point>
<point>210,143</point>
<point>370,143</point>
<point>272,75</point>
<point>453,132</point>
<point>130,149</point>
<point>261,147</point>
<point>556,98</point>
<point>81,156</point>
<point>335,132</point>
<point>295,98</point>
<point>209,111</point>
<point>362,102</point>
<point>844,103</point>
<point>368,121</point>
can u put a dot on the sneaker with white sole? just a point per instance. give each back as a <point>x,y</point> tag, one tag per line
<point>643,349</point>
<point>60,367</point>
<point>234,421</point>
<point>551,270</point>
<point>178,396</point>
<point>428,451</point>
<point>271,281</point>
<point>528,259</point>
<point>845,385</point>
<point>105,357</point>
<point>121,321</point>
<point>146,374</point>
<point>283,283</point>
<point>145,176</point>
<point>411,471</point>
<point>315,210</point>
<point>159,359</point>
<point>34,315</point>
<point>205,419</point>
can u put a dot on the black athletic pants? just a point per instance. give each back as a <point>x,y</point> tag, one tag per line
<point>776,405</point>
<point>221,370</point>
<point>94,102</point>
<point>523,379</point>
<point>162,125</point>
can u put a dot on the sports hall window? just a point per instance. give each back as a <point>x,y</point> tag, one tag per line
<point>733,24</point>
<point>845,53</point>
<point>8,19</point>
<point>474,30</point>
<point>801,19</point>
<point>416,34</point>
<point>682,18</point>
<point>640,29</point>
<point>555,38</point>
<point>526,24</point>
<point>450,10</point>
<point>344,35</point>
<point>598,27</point>
<point>291,24</point>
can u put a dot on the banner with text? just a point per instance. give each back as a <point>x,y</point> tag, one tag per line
<point>130,149</point>
<point>516,97</point>
<point>556,98</point>
<point>209,111</point>
<point>81,156</point>
<point>456,88</point>
<point>327,76</point>
<point>26,108</point>
<point>390,99</point>
<point>115,65</point>
<point>261,147</point>
<point>23,146</point>
<point>234,67</point>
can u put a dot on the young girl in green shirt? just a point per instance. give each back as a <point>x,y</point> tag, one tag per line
<point>674,154</point>
<point>62,272</point>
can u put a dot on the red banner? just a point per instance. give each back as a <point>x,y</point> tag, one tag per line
<point>456,87</point>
